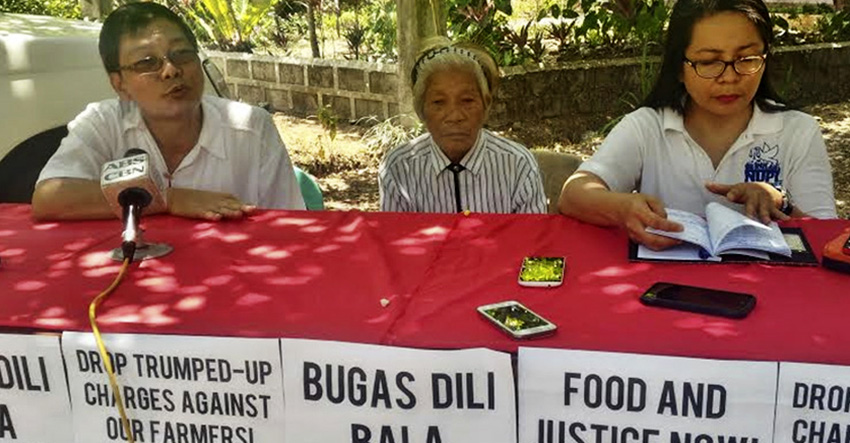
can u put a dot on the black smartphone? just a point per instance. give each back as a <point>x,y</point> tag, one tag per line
<point>701,300</point>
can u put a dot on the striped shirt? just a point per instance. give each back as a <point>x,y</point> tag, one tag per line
<point>501,176</point>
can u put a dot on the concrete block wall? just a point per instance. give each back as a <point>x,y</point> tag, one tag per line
<point>586,95</point>
<point>352,89</point>
<point>581,96</point>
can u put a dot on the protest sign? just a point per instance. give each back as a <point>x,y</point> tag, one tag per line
<point>345,392</point>
<point>176,389</point>
<point>600,397</point>
<point>813,404</point>
<point>32,387</point>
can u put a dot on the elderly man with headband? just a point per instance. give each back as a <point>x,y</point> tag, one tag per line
<point>457,165</point>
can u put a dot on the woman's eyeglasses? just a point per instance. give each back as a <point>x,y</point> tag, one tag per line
<point>743,66</point>
<point>152,64</point>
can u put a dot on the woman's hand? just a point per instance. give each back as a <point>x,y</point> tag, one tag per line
<point>207,205</point>
<point>761,201</point>
<point>641,211</point>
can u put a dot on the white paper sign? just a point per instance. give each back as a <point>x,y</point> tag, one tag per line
<point>353,393</point>
<point>177,389</point>
<point>599,397</point>
<point>32,388</point>
<point>813,404</point>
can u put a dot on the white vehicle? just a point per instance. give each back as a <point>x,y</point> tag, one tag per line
<point>50,69</point>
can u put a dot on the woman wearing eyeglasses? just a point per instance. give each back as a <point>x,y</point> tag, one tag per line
<point>712,129</point>
<point>219,158</point>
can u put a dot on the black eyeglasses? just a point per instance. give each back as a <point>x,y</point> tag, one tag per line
<point>743,66</point>
<point>152,64</point>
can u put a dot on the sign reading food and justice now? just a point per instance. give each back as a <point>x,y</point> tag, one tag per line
<point>813,404</point>
<point>176,389</point>
<point>32,387</point>
<point>345,392</point>
<point>600,397</point>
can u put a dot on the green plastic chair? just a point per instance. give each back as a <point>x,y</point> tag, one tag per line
<point>310,190</point>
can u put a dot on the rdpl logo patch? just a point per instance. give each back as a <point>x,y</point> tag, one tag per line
<point>763,165</point>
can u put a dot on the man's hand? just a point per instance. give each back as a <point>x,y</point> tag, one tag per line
<point>640,211</point>
<point>207,205</point>
<point>761,201</point>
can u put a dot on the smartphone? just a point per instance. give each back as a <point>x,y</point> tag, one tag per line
<point>516,320</point>
<point>701,300</point>
<point>542,271</point>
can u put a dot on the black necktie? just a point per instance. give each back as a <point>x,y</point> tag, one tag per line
<point>456,168</point>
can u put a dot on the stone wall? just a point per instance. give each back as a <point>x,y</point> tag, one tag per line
<point>300,87</point>
<point>574,97</point>
<point>583,96</point>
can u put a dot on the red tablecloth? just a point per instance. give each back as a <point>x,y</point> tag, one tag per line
<point>323,275</point>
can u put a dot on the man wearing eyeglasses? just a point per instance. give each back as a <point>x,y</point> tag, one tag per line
<point>220,158</point>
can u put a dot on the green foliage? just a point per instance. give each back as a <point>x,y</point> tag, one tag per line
<point>581,28</point>
<point>835,26</point>
<point>55,8</point>
<point>227,24</point>
<point>630,25</point>
<point>796,9</point>
<point>287,23</point>
<point>484,22</point>
<point>328,119</point>
<point>381,28</point>
<point>354,37</point>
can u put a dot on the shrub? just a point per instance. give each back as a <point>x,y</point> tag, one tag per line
<point>55,8</point>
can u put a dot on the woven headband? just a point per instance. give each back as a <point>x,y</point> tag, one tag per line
<point>434,53</point>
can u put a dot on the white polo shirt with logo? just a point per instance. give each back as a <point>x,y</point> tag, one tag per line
<point>651,152</point>
<point>239,151</point>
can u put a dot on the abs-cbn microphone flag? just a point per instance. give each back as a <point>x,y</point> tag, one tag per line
<point>133,171</point>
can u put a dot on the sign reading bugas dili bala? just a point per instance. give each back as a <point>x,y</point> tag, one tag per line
<point>176,389</point>
<point>32,388</point>
<point>600,397</point>
<point>354,393</point>
<point>813,404</point>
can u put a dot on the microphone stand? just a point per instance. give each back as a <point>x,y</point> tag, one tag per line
<point>144,250</point>
<point>133,200</point>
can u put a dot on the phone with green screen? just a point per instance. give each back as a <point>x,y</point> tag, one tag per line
<point>542,271</point>
<point>516,320</point>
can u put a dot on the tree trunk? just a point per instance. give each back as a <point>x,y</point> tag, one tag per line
<point>95,9</point>
<point>416,21</point>
<point>839,4</point>
<point>311,27</point>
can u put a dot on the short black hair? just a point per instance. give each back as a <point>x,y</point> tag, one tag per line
<point>130,19</point>
<point>668,90</point>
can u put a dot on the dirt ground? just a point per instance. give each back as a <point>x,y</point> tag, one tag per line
<point>346,167</point>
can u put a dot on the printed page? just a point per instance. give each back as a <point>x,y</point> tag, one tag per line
<point>695,229</point>
<point>731,230</point>
<point>747,237</point>
<point>722,220</point>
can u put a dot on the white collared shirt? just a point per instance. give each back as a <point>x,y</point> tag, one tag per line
<point>651,152</point>
<point>501,176</point>
<point>239,151</point>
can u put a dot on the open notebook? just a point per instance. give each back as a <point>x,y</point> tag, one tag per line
<point>727,235</point>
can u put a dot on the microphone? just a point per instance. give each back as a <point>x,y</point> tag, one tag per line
<point>132,171</point>
<point>132,201</point>
<point>129,187</point>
